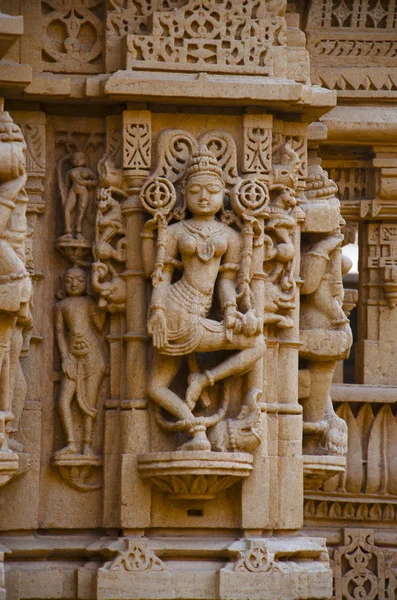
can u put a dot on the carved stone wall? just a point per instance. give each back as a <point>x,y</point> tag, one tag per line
<point>177,190</point>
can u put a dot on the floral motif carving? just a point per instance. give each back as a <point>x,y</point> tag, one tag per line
<point>257,150</point>
<point>137,142</point>
<point>136,557</point>
<point>256,559</point>
<point>72,35</point>
<point>359,567</point>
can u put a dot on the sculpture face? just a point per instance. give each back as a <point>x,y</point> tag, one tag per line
<point>75,282</point>
<point>78,159</point>
<point>104,200</point>
<point>204,194</point>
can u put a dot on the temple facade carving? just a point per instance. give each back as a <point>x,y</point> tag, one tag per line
<point>197,373</point>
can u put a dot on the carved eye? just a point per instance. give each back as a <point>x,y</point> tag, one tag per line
<point>214,189</point>
<point>194,189</point>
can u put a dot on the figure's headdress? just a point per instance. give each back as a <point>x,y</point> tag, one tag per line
<point>203,161</point>
<point>318,185</point>
<point>9,131</point>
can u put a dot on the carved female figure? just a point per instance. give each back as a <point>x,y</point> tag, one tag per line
<point>209,252</point>
<point>75,191</point>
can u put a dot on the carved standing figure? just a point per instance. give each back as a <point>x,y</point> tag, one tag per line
<point>78,323</point>
<point>209,252</point>
<point>325,329</point>
<point>75,190</point>
<point>15,283</point>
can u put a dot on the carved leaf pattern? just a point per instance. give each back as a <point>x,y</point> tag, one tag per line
<point>137,141</point>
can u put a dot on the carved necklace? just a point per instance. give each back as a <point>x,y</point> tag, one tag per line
<point>205,240</point>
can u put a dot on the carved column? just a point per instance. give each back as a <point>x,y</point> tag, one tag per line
<point>135,504</point>
<point>377,347</point>
<point>257,164</point>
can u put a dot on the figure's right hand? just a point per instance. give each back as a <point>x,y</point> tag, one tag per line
<point>69,367</point>
<point>157,328</point>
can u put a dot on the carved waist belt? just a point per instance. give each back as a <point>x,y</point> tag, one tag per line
<point>195,302</point>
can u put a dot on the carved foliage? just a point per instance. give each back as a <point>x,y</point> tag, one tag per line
<point>371,465</point>
<point>257,150</point>
<point>137,142</point>
<point>176,146</point>
<point>72,33</point>
<point>255,559</point>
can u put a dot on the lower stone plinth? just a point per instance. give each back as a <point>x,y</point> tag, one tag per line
<point>290,568</point>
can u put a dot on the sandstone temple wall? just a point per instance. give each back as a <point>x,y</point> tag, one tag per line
<point>197,391</point>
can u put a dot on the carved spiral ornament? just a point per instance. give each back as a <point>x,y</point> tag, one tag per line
<point>250,197</point>
<point>158,195</point>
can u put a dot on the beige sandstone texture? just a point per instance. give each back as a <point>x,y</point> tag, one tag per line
<point>182,415</point>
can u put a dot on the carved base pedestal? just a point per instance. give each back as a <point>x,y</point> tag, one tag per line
<point>9,465</point>
<point>79,471</point>
<point>194,475</point>
<point>259,569</point>
<point>318,469</point>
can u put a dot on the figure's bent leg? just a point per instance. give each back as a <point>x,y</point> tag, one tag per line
<point>238,364</point>
<point>163,372</point>
<point>68,388</point>
<point>92,387</point>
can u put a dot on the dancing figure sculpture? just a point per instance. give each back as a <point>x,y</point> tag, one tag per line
<point>211,255</point>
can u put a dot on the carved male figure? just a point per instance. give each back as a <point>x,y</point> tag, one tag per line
<point>75,192</point>
<point>78,323</point>
<point>325,329</point>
